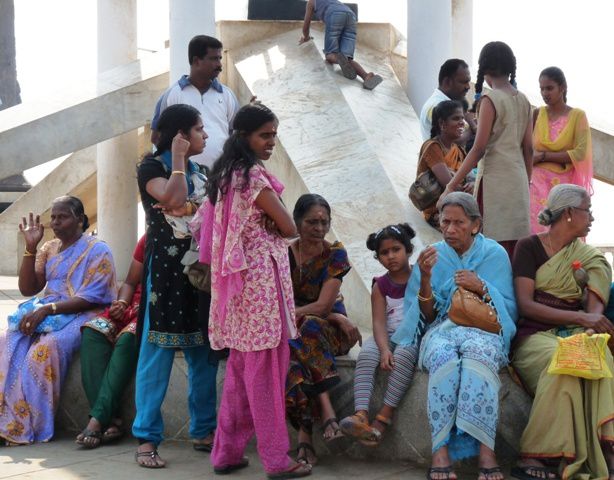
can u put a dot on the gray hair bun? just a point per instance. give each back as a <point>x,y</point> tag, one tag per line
<point>545,217</point>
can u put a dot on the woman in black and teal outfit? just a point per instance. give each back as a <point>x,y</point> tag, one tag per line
<point>171,186</point>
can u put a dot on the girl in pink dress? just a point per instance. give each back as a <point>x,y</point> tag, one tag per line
<point>243,226</point>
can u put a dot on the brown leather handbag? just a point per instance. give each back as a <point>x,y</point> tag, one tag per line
<point>469,310</point>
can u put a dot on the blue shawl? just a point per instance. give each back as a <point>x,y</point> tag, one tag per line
<point>490,262</point>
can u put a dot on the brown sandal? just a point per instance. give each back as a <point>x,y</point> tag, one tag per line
<point>357,426</point>
<point>298,470</point>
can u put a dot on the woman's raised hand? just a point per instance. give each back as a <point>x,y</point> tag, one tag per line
<point>469,281</point>
<point>180,145</point>
<point>32,231</point>
<point>427,260</point>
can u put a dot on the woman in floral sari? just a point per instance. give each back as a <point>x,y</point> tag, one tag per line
<point>562,150</point>
<point>318,268</point>
<point>463,361</point>
<point>571,426</point>
<point>78,276</point>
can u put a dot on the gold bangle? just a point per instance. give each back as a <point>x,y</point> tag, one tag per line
<point>424,299</point>
<point>54,307</point>
<point>123,302</point>
<point>26,253</point>
<point>178,172</point>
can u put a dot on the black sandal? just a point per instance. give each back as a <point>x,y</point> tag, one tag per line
<point>337,433</point>
<point>87,433</point>
<point>487,472</point>
<point>522,473</point>
<point>226,469</point>
<point>303,458</point>
<point>446,470</point>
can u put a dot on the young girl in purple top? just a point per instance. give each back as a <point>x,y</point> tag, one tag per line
<point>392,246</point>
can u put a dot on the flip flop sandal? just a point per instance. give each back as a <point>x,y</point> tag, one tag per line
<point>296,471</point>
<point>346,66</point>
<point>337,433</point>
<point>446,470</point>
<point>487,472</point>
<point>523,473</point>
<point>113,436</point>
<point>372,82</point>
<point>87,433</point>
<point>226,469</point>
<point>303,458</point>
<point>376,436</point>
<point>152,454</point>
<point>203,447</point>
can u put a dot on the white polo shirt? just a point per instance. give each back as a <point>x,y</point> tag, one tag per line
<point>217,107</point>
<point>426,114</point>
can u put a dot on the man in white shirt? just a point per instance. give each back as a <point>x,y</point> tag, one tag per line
<point>201,89</point>
<point>454,83</point>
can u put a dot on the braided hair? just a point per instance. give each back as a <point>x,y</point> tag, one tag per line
<point>496,58</point>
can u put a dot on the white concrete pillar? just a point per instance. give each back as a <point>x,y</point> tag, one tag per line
<point>116,158</point>
<point>429,44</point>
<point>462,30</point>
<point>187,19</point>
<point>436,30</point>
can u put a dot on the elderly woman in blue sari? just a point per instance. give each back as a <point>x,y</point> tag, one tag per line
<point>462,361</point>
<point>77,274</point>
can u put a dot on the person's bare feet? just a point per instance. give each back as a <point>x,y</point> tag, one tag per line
<point>488,468</point>
<point>441,468</point>
<point>147,456</point>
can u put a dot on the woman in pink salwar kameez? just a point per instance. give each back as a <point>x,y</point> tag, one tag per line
<point>242,230</point>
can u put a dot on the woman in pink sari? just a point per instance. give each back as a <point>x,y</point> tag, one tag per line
<point>562,150</point>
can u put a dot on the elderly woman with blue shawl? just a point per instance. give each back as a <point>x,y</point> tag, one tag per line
<point>463,362</point>
<point>76,276</point>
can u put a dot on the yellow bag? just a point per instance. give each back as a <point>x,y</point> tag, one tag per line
<point>582,356</point>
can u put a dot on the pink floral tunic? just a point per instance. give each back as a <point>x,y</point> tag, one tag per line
<point>250,270</point>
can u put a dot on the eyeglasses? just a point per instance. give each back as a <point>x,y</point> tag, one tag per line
<point>587,210</point>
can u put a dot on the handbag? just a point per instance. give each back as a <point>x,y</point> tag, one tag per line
<point>469,310</point>
<point>425,191</point>
<point>199,274</point>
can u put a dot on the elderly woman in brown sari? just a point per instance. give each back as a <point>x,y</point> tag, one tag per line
<point>571,426</point>
<point>318,268</point>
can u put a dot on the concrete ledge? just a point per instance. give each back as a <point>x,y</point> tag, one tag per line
<point>408,439</point>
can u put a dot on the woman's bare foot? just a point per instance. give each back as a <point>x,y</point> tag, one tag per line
<point>147,456</point>
<point>441,468</point>
<point>488,468</point>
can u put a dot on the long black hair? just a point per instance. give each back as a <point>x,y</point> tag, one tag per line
<point>557,76</point>
<point>237,155</point>
<point>443,111</point>
<point>174,119</point>
<point>496,58</point>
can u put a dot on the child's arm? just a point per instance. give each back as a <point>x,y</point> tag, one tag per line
<point>380,333</point>
<point>307,22</point>
<point>268,201</point>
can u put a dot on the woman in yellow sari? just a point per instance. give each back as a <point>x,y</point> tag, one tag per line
<point>562,150</point>
<point>441,155</point>
<point>571,426</point>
